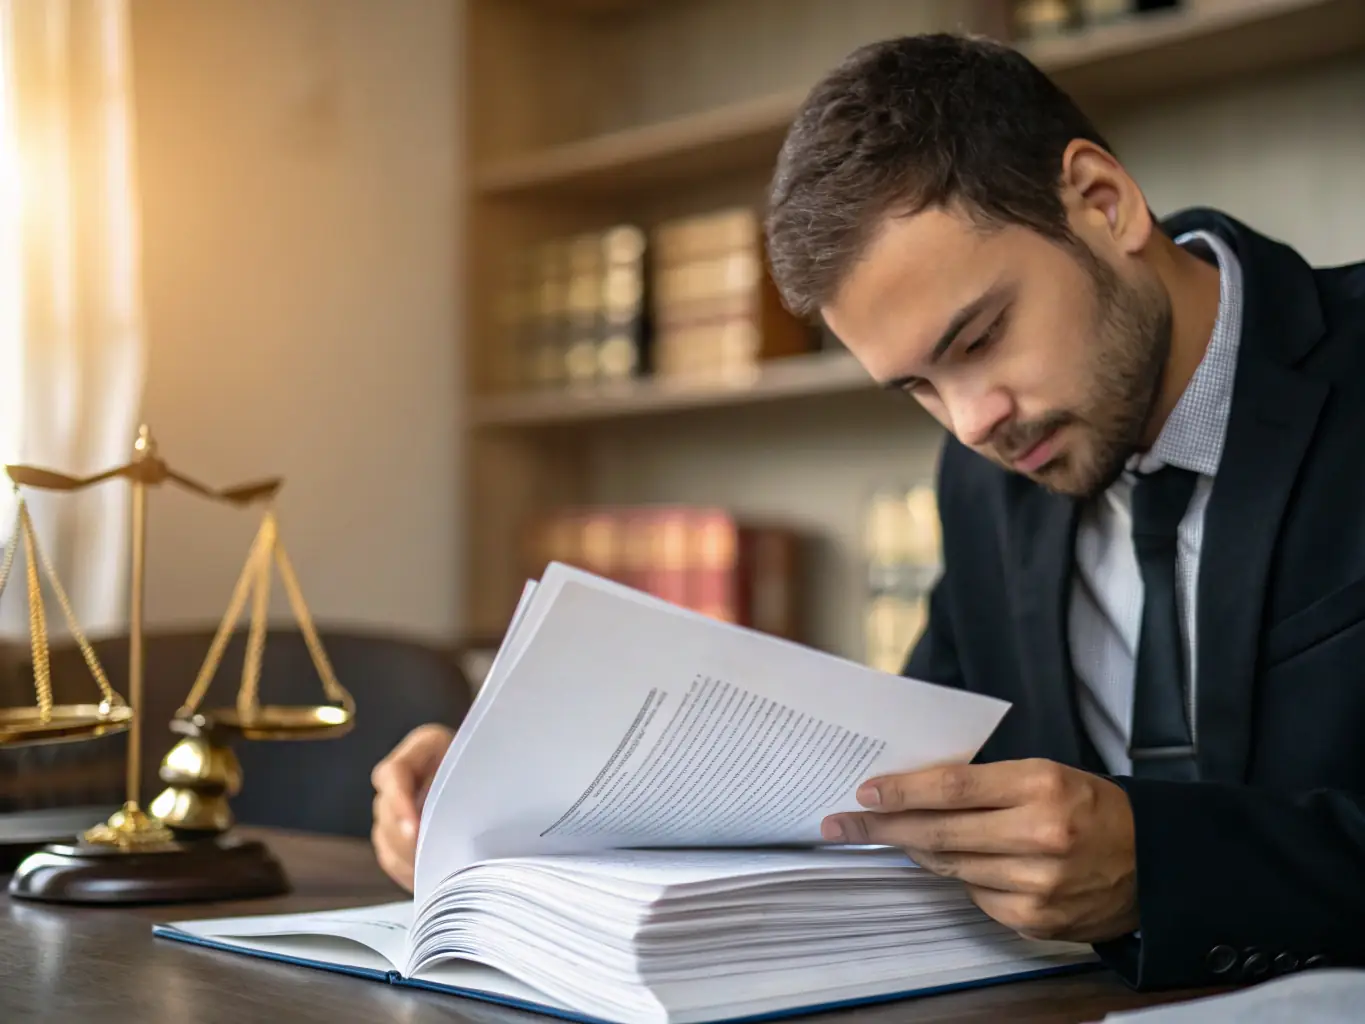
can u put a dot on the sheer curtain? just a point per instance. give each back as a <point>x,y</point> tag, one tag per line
<point>71,328</point>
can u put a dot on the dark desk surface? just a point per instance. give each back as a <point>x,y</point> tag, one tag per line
<point>66,964</point>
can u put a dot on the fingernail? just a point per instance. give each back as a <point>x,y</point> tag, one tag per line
<point>408,828</point>
<point>869,796</point>
<point>831,830</point>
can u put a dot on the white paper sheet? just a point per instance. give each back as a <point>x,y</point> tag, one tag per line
<point>382,928</point>
<point>1319,996</point>
<point>618,720</point>
<point>482,701</point>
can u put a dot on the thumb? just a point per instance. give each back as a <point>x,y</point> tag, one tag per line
<point>396,783</point>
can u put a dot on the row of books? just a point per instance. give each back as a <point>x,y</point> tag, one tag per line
<point>708,559</point>
<point>738,569</point>
<point>689,299</point>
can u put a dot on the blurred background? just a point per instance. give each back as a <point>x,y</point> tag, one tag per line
<point>483,281</point>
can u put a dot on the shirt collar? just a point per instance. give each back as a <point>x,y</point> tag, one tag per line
<point>1193,435</point>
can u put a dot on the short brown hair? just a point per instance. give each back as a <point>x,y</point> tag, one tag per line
<point>904,125</point>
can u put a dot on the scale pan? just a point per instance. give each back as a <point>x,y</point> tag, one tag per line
<point>285,722</point>
<point>65,723</point>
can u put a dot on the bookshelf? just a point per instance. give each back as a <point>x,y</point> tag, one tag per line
<point>1124,63</point>
<point>585,113</point>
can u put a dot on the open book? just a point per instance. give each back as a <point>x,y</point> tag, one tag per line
<point>627,829</point>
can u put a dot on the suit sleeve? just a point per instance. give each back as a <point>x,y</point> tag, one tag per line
<point>1236,884</point>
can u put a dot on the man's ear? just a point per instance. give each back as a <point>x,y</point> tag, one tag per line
<point>1102,200</point>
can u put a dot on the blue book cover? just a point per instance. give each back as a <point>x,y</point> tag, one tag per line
<point>370,943</point>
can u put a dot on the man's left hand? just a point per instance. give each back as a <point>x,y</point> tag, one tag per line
<point>1044,849</point>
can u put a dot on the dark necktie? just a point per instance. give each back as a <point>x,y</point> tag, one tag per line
<point>1161,746</point>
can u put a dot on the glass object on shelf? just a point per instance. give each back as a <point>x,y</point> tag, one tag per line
<point>892,624</point>
<point>901,553</point>
<point>1100,12</point>
<point>1042,19</point>
<point>901,538</point>
<point>886,525</point>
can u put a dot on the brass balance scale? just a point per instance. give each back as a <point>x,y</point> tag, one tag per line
<point>182,846</point>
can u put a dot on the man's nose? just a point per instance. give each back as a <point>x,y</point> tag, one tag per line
<point>975,417</point>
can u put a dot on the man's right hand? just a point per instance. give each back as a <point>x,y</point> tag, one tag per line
<point>401,782</point>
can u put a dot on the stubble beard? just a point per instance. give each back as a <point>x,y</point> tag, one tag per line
<point>1132,332</point>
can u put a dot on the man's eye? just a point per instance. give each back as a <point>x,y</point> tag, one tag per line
<point>989,335</point>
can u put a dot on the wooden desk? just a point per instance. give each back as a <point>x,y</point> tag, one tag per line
<point>66,963</point>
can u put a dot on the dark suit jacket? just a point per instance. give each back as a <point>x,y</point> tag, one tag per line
<point>1259,867</point>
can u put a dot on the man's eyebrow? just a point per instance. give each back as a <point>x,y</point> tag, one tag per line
<point>960,320</point>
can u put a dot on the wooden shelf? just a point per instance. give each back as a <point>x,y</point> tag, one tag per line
<point>728,138</point>
<point>601,7</point>
<point>1157,54</point>
<point>790,378</point>
<point>1209,42</point>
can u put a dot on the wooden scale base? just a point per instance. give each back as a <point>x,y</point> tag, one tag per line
<point>216,868</point>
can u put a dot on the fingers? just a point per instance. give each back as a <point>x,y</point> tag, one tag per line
<point>1042,830</point>
<point>406,773</point>
<point>395,847</point>
<point>1066,919</point>
<point>395,785</point>
<point>988,848</point>
<point>401,781</point>
<point>1044,849</point>
<point>418,755</point>
<point>1029,914</point>
<point>1043,877</point>
<point>966,786</point>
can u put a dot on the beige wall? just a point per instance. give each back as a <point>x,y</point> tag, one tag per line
<point>1285,153</point>
<point>298,167</point>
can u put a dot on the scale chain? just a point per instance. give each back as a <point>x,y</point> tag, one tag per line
<point>37,620</point>
<point>87,652</point>
<point>240,593</point>
<point>260,606</point>
<point>36,557</point>
<point>294,592</point>
<point>254,583</point>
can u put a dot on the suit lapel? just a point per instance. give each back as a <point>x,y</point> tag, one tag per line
<point>1043,533</point>
<point>1274,413</point>
<point>1275,410</point>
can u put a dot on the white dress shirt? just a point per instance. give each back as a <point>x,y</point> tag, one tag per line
<point>1106,597</point>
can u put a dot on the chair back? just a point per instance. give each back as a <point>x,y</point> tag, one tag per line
<point>312,785</point>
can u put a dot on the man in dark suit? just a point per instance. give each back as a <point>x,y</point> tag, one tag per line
<point>1153,512</point>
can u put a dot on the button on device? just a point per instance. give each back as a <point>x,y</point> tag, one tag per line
<point>1316,960</point>
<point>1221,959</point>
<point>1256,965</point>
<point>1286,962</point>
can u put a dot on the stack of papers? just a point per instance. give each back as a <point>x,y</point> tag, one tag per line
<point>627,829</point>
<point>669,936</point>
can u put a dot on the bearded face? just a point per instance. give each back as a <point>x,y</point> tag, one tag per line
<point>1039,355</point>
